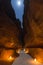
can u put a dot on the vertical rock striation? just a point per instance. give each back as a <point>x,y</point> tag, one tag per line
<point>33,23</point>
<point>6,6</point>
<point>10,30</point>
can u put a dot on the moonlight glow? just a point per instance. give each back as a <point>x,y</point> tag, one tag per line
<point>18,2</point>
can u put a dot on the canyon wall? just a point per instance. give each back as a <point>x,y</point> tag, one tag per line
<point>33,28</point>
<point>6,6</point>
<point>33,23</point>
<point>10,31</point>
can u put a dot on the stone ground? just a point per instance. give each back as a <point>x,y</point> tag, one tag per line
<point>25,59</point>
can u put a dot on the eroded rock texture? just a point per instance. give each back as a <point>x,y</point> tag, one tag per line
<point>33,23</point>
<point>6,6</point>
<point>37,53</point>
<point>10,31</point>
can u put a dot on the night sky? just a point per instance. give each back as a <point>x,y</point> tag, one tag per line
<point>19,8</point>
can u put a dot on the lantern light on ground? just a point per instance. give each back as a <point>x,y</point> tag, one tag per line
<point>10,58</point>
<point>35,59</point>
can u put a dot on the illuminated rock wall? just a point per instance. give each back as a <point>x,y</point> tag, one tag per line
<point>9,38</point>
<point>37,53</point>
<point>10,31</point>
<point>33,23</point>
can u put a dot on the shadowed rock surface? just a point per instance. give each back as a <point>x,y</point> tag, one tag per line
<point>37,53</point>
<point>33,23</point>
<point>6,6</point>
<point>33,28</point>
<point>10,31</point>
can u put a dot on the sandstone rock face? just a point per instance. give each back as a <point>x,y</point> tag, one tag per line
<point>6,6</point>
<point>33,23</point>
<point>37,53</point>
<point>10,31</point>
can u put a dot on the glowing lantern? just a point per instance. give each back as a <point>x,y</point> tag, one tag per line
<point>10,58</point>
<point>26,50</point>
<point>35,59</point>
<point>18,51</point>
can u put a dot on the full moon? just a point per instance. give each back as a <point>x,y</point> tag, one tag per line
<point>18,3</point>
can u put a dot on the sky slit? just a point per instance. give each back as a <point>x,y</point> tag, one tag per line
<point>18,6</point>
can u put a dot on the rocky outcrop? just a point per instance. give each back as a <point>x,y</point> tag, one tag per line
<point>10,31</point>
<point>36,53</point>
<point>10,28</point>
<point>6,6</point>
<point>33,23</point>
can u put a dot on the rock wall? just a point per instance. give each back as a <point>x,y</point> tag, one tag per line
<point>37,53</point>
<point>33,23</point>
<point>6,6</point>
<point>9,25</point>
<point>10,31</point>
